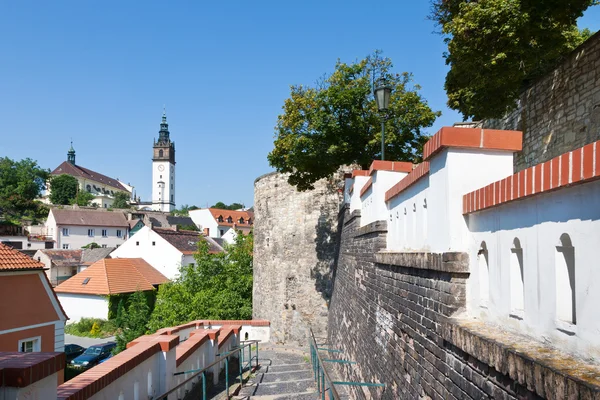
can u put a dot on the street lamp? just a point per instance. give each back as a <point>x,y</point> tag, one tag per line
<point>382,92</point>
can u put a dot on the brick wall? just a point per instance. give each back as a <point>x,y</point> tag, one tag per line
<point>394,315</point>
<point>561,111</point>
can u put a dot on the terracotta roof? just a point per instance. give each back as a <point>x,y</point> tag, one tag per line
<point>112,276</point>
<point>69,216</point>
<point>14,260</point>
<point>187,241</point>
<point>235,216</point>
<point>78,171</point>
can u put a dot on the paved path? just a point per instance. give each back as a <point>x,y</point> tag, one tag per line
<point>86,341</point>
<point>283,375</point>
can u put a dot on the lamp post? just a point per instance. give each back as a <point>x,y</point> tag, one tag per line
<point>382,92</point>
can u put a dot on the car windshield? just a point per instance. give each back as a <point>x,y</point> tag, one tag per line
<point>93,351</point>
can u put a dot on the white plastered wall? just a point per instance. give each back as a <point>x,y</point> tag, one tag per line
<point>77,306</point>
<point>408,219</point>
<point>359,183</point>
<point>374,207</point>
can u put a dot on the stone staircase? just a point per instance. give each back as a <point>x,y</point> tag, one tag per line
<point>284,374</point>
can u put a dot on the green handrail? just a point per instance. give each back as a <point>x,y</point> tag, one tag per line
<point>324,383</point>
<point>224,357</point>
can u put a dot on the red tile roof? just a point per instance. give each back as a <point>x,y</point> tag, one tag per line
<point>78,171</point>
<point>85,217</point>
<point>235,217</point>
<point>23,369</point>
<point>112,276</point>
<point>13,260</point>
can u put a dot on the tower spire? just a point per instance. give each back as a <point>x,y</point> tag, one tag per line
<point>71,154</point>
<point>163,133</point>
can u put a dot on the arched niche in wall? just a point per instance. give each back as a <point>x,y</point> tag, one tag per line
<point>517,283</point>
<point>564,266</point>
<point>484,275</point>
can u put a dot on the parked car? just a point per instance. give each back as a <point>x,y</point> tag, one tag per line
<point>73,350</point>
<point>107,358</point>
<point>93,355</point>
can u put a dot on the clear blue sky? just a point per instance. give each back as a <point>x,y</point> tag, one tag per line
<point>100,71</point>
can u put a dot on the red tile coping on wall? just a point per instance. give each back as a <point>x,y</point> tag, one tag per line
<point>419,172</point>
<point>166,342</point>
<point>250,322</point>
<point>186,349</point>
<point>360,172</point>
<point>572,168</point>
<point>490,139</point>
<point>395,166</point>
<point>226,331</point>
<point>95,379</point>
<point>23,369</point>
<point>366,187</point>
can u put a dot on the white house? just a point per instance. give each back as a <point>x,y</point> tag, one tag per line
<point>216,223</point>
<point>86,294</point>
<point>166,250</point>
<point>73,228</point>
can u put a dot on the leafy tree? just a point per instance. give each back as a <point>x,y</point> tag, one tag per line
<point>92,245</point>
<point>21,182</point>
<point>184,210</point>
<point>121,200</point>
<point>134,323</point>
<point>63,189</point>
<point>218,286</point>
<point>83,198</point>
<point>233,206</point>
<point>337,122</point>
<point>497,47</point>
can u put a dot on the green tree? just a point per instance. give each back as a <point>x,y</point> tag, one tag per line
<point>233,206</point>
<point>184,211</point>
<point>92,245</point>
<point>496,48</point>
<point>63,189</point>
<point>21,183</point>
<point>83,198</point>
<point>134,323</point>
<point>217,286</point>
<point>337,122</point>
<point>121,200</point>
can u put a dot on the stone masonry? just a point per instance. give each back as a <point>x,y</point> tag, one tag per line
<point>295,246</point>
<point>561,111</point>
<point>398,316</point>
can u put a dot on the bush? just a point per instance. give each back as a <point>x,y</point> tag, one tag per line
<point>91,327</point>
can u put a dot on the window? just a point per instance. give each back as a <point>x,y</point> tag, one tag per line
<point>241,220</point>
<point>153,243</point>
<point>117,246</point>
<point>119,233</point>
<point>220,219</point>
<point>137,243</point>
<point>85,281</point>
<point>171,186</point>
<point>90,232</point>
<point>104,232</point>
<point>222,231</point>
<point>160,153</point>
<point>566,306</point>
<point>88,188</point>
<point>229,219</point>
<point>172,200</point>
<point>516,280</point>
<point>30,345</point>
<point>104,246</point>
<point>65,231</point>
<point>66,246</point>
<point>484,275</point>
<point>161,177</point>
<point>105,205</point>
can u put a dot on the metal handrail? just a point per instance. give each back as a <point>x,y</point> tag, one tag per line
<point>321,376</point>
<point>225,357</point>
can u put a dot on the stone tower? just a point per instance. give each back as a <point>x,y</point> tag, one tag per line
<point>163,170</point>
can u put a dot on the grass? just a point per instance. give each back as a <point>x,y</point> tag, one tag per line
<point>85,327</point>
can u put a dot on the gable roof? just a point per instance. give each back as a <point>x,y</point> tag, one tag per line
<point>112,276</point>
<point>63,258</point>
<point>90,256</point>
<point>13,260</point>
<point>187,241</point>
<point>77,171</point>
<point>235,216</point>
<point>161,220</point>
<point>85,217</point>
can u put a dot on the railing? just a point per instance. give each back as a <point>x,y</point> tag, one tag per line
<point>324,382</point>
<point>325,386</point>
<point>224,357</point>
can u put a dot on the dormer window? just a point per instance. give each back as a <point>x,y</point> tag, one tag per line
<point>220,219</point>
<point>229,219</point>
<point>241,220</point>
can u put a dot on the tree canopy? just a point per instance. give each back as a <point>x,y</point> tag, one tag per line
<point>63,189</point>
<point>217,286</point>
<point>121,200</point>
<point>497,47</point>
<point>21,183</point>
<point>184,211</point>
<point>132,318</point>
<point>337,122</point>
<point>233,206</point>
<point>82,198</point>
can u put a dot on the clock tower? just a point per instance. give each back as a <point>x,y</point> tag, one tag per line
<point>163,170</point>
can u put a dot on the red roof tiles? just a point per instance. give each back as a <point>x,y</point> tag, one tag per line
<point>14,260</point>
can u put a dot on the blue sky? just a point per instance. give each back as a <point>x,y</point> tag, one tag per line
<point>100,72</point>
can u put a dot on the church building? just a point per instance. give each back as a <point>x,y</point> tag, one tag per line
<point>163,170</point>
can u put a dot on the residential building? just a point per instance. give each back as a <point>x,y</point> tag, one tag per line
<point>215,222</point>
<point>63,264</point>
<point>101,186</point>
<point>166,250</point>
<point>31,316</point>
<point>163,170</point>
<point>73,228</point>
<point>20,238</point>
<point>86,294</point>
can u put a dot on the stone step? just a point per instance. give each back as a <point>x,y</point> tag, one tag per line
<point>283,376</point>
<point>288,396</point>
<point>282,387</point>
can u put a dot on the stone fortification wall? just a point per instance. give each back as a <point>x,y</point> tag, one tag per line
<point>294,251</point>
<point>561,111</point>
<point>397,315</point>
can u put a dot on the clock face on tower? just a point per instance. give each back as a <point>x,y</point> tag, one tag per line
<point>161,168</point>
